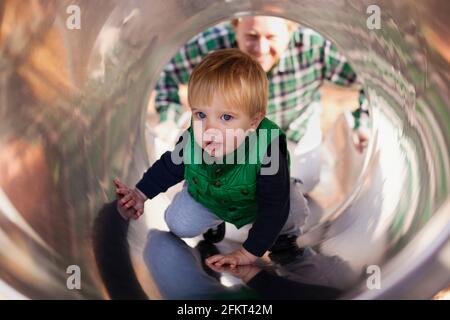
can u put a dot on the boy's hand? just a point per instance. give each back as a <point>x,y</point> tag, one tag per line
<point>121,189</point>
<point>129,199</point>
<point>134,199</point>
<point>125,213</point>
<point>236,258</point>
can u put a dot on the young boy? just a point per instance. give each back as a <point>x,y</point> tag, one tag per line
<point>234,160</point>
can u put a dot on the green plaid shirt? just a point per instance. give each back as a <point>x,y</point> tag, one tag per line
<point>293,82</point>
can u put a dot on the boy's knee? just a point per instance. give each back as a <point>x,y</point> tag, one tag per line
<point>183,231</point>
<point>179,226</point>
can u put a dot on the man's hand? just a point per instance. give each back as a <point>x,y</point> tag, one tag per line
<point>360,139</point>
<point>130,201</point>
<point>236,258</point>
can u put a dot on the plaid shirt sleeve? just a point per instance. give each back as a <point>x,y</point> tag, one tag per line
<point>337,70</point>
<point>176,72</point>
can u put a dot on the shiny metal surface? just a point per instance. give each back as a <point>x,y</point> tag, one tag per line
<point>73,105</point>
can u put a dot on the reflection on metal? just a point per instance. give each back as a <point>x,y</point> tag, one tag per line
<point>72,115</point>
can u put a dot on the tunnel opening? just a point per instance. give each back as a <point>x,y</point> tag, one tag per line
<point>336,105</point>
<point>331,199</point>
<point>405,79</point>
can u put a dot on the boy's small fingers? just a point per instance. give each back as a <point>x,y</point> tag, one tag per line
<point>221,262</point>
<point>138,213</point>
<point>121,191</point>
<point>117,182</point>
<point>120,184</point>
<point>214,268</point>
<point>130,204</point>
<point>214,258</point>
<point>230,261</point>
<point>125,199</point>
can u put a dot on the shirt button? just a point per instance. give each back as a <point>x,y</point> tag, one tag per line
<point>194,180</point>
<point>244,192</point>
<point>218,172</point>
<point>217,183</point>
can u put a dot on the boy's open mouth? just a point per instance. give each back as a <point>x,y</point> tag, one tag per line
<point>211,144</point>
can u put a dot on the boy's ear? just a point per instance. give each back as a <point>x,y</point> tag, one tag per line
<point>257,120</point>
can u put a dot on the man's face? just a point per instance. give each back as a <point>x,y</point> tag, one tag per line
<point>219,129</point>
<point>264,38</point>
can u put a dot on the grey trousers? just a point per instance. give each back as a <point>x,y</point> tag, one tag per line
<point>186,218</point>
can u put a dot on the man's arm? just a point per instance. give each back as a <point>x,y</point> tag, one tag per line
<point>167,101</point>
<point>337,70</point>
<point>176,72</point>
<point>361,115</point>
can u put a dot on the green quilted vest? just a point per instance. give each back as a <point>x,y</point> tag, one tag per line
<point>228,189</point>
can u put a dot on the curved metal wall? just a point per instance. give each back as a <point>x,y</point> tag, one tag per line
<point>73,105</point>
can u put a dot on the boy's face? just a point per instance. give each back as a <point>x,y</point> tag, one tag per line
<point>219,129</point>
<point>263,38</point>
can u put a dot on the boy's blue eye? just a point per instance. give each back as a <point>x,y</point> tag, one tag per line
<point>227,117</point>
<point>201,115</point>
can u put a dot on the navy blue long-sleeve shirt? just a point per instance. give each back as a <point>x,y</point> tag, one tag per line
<point>272,194</point>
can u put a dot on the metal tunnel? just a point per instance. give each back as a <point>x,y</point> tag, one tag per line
<point>73,109</point>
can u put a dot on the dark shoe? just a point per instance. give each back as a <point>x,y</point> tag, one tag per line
<point>206,250</point>
<point>216,234</point>
<point>285,249</point>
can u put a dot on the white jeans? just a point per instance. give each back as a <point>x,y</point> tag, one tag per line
<point>306,155</point>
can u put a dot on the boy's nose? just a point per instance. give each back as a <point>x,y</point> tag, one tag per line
<point>209,125</point>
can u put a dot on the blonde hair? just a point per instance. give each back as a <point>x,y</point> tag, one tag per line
<point>233,76</point>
